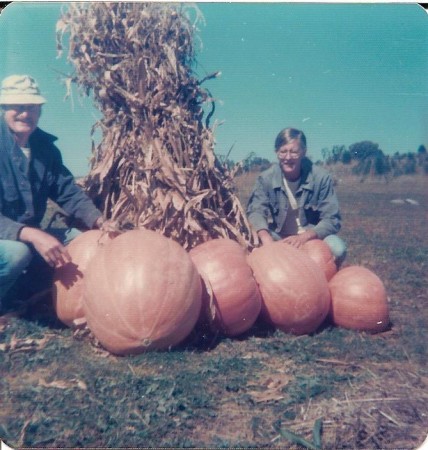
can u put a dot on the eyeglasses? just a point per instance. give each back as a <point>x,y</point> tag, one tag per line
<point>292,154</point>
<point>21,108</point>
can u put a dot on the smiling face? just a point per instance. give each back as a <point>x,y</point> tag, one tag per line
<point>22,120</point>
<point>290,157</point>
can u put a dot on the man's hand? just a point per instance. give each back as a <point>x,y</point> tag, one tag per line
<point>298,240</point>
<point>265,237</point>
<point>51,250</point>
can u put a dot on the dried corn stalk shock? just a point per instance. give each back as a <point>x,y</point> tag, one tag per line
<point>155,167</point>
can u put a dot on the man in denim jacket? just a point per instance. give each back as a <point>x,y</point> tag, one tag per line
<point>31,172</point>
<point>294,200</point>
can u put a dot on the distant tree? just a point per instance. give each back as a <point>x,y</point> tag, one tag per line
<point>325,153</point>
<point>254,163</point>
<point>364,149</point>
<point>422,157</point>
<point>422,150</point>
<point>371,159</point>
<point>396,165</point>
<point>363,168</point>
<point>346,157</point>
<point>382,165</point>
<point>337,152</point>
<point>409,166</point>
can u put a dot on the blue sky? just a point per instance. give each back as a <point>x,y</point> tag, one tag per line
<point>342,73</point>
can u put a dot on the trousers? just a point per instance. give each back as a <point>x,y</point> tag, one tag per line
<point>338,248</point>
<point>20,260</point>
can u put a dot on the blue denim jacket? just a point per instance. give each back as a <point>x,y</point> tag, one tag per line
<point>318,204</point>
<point>23,197</point>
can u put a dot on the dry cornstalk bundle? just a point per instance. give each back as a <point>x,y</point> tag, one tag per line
<point>155,166</point>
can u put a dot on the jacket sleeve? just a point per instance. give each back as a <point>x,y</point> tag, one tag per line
<point>71,197</point>
<point>328,206</point>
<point>9,229</point>
<point>258,209</point>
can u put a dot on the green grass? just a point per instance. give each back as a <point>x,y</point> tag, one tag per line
<point>259,390</point>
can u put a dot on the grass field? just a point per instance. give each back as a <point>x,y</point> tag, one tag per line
<point>336,389</point>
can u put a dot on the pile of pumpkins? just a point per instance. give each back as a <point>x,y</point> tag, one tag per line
<point>140,291</point>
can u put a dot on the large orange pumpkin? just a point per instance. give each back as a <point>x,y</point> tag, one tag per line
<point>359,300</point>
<point>320,252</point>
<point>235,301</point>
<point>68,280</point>
<point>142,292</point>
<point>294,289</point>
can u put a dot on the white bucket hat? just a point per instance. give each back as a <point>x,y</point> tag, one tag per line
<point>20,90</point>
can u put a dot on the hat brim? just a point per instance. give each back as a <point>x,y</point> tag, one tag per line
<point>24,99</point>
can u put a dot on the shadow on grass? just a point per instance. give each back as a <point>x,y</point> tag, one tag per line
<point>204,338</point>
<point>37,308</point>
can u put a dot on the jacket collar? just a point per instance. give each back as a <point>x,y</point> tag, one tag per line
<point>307,177</point>
<point>277,177</point>
<point>41,136</point>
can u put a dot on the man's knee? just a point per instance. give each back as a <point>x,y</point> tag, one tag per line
<point>338,247</point>
<point>14,258</point>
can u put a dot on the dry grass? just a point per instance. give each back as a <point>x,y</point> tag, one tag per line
<point>261,390</point>
<point>156,168</point>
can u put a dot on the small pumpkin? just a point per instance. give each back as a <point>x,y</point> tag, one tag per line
<point>295,293</point>
<point>142,292</point>
<point>359,300</point>
<point>320,252</point>
<point>231,299</point>
<point>68,280</point>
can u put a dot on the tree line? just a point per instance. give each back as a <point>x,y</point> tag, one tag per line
<point>367,158</point>
<point>252,163</point>
<point>364,158</point>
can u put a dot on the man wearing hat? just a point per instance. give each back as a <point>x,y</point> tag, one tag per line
<point>31,172</point>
